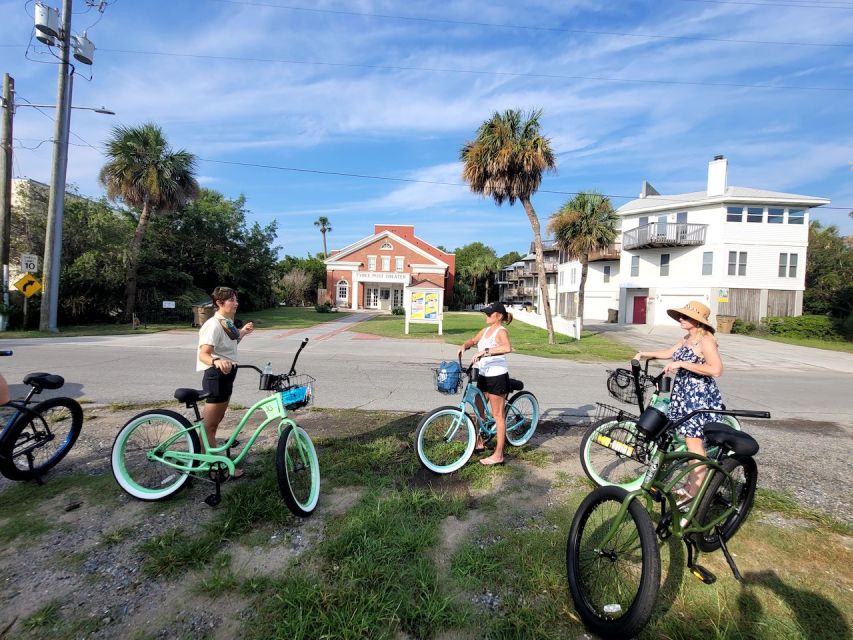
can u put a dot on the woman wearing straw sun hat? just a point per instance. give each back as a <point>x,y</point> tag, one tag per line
<point>695,362</point>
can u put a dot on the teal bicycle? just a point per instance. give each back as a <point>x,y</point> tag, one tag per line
<point>446,436</point>
<point>613,561</point>
<point>157,452</point>
<point>613,451</point>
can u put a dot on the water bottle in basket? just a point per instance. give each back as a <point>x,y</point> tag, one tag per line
<point>266,378</point>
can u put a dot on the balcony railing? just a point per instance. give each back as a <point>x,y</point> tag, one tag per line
<point>676,234</point>
<point>607,254</point>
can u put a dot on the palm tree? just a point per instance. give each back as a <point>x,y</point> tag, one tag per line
<point>325,227</point>
<point>143,172</point>
<point>506,161</point>
<point>584,224</point>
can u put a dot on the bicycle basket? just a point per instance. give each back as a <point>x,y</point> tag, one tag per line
<point>448,377</point>
<point>299,392</point>
<point>620,385</point>
<point>608,412</point>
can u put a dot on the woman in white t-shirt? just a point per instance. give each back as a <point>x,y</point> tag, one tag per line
<point>492,346</point>
<point>217,358</point>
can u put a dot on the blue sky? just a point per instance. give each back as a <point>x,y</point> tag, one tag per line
<point>630,90</point>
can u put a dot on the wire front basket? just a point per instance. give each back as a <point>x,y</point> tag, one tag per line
<point>608,412</point>
<point>298,392</point>
<point>447,380</point>
<point>620,385</point>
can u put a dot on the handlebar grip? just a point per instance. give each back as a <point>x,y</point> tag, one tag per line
<point>748,413</point>
<point>6,352</point>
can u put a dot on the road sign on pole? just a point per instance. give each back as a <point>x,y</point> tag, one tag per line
<point>28,285</point>
<point>29,263</point>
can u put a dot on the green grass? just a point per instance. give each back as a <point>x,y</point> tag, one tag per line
<point>48,622</point>
<point>275,318</point>
<point>845,346</point>
<point>525,338</point>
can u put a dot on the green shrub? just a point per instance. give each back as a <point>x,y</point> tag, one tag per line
<point>398,311</point>
<point>323,308</point>
<point>742,326</point>
<point>820,327</point>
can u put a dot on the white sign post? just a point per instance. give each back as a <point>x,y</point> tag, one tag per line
<point>29,263</point>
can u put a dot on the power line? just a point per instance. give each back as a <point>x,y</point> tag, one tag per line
<point>365,176</point>
<point>510,74</point>
<point>817,4</point>
<point>498,25</point>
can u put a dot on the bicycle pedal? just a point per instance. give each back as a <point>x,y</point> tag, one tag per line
<point>212,500</point>
<point>702,574</point>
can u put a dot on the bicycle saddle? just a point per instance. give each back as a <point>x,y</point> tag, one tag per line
<point>724,436</point>
<point>190,396</point>
<point>41,380</point>
<point>515,385</point>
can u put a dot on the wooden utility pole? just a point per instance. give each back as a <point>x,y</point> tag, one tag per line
<point>6,178</point>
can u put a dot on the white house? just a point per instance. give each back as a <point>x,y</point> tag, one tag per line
<point>740,250</point>
<point>519,283</point>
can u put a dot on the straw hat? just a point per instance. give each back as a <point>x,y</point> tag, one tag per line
<point>696,311</point>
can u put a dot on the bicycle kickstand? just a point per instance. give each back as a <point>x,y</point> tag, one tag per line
<point>729,559</point>
<point>215,498</point>
<point>36,476</point>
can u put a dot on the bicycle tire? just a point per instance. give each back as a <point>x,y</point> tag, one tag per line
<point>140,476</point>
<point>721,495</point>
<point>607,467</point>
<point>48,433</point>
<point>298,471</point>
<point>445,439</point>
<point>601,591</point>
<point>522,417</point>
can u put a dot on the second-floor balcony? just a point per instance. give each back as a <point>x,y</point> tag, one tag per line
<point>676,234</point>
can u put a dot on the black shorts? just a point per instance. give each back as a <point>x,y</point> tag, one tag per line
<point>496,385</point>
<point>218,385</point>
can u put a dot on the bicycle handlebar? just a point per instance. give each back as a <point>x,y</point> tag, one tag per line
<point>740,413</point>
<point>292,371</point>
<point>6,352</point>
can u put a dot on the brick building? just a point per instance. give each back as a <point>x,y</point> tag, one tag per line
<point>373,272</point>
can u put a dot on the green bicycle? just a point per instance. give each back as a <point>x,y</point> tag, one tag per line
<point>612,451</point>
<point>156,452</point>
<point>613,562</point>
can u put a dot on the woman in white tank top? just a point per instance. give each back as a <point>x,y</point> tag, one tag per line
<point>492,346</point>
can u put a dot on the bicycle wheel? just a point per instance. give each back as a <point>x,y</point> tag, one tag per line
<point>611,453</point>
<point>37,441</point>
<point>522,416</point>
<point>298,471</point>
<point>613,584</point>
<point>141,447</point>
<point>445,439</point>
<point>724,494</point>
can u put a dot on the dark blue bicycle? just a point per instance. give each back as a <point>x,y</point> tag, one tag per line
<point>35,437</point>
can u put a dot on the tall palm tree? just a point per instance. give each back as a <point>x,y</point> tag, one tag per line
<point>143,172</point>
<point>584,224</point>
<point>325,227</point>
<point>506,161</point>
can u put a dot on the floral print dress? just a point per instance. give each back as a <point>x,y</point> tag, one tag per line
<point>691,391</point>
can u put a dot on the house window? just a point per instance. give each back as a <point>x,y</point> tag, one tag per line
<point>343,290</point>
<point>707,263</point>
<point>398,264</point>
<point>386,263</point>
<point>681,217</point>
<point>386,246</point>
<point>664,264</point>
<point>635,266</point>
<point>755,214</point>
<point>775,216</point>
<point>792,265</point>
<point>607,273</point>
<point>398,297</point>
<point>574,275</point>
<point>783,265</point>
<point>644,220</point>
<point>371,263</point>
<point>796,216</point>
<point>661,230</point>
<point>737,263</point>
<point>734,214</point>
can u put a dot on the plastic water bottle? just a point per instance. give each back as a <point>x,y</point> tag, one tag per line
<point>268,369</point>
<point>266,383</point>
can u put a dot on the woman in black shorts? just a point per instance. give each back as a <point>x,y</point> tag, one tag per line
<point>492,346</point>
<point>217,358</point>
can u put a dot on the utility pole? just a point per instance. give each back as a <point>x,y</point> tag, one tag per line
<point>56,201</point>
<point>6,177</point>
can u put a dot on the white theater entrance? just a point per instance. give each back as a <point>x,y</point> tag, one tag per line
<point>382,291</point>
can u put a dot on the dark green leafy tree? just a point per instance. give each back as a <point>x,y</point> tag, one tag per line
<point>829,273</point>
<point>144,173</point>
<point>505,162</point>
<point>312,265</point>
<point>583,225</point>
<point>510,258</point>
<point>476,262</point>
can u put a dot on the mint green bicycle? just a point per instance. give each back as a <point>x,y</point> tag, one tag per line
<point>156,452</point>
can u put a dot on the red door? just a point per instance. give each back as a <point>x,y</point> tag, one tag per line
<point>640,309</point>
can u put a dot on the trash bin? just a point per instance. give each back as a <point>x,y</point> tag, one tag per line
<point>202,312</point>
<point>725,323</point>
<point>613,315</point>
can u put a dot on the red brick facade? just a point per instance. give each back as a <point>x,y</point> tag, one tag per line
<point>373,271</point>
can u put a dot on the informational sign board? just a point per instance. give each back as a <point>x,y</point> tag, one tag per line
<point>723,295</point>
<point>168,304</point>
<point>29,263</point>
<point>425,306</point>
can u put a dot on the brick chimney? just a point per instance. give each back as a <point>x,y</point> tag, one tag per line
<point>718,179</point>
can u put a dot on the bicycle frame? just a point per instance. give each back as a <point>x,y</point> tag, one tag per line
<point>183,462</point>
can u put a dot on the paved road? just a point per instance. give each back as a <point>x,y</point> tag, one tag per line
<point>359,370</point>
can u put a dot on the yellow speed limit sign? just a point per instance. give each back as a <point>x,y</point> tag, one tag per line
<point>28,284</point>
